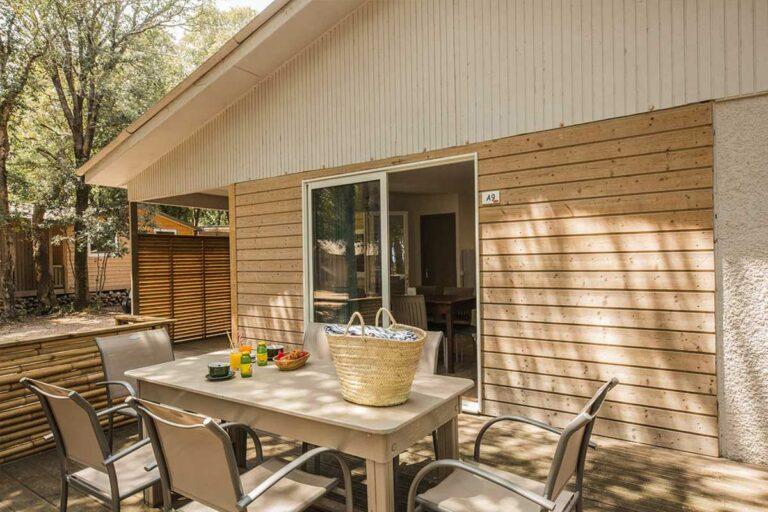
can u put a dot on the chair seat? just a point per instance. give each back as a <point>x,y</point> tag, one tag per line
<point>464,492</point>
<point>295,492</point>
<point>131,475</point>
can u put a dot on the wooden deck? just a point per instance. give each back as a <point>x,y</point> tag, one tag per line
<point>621,476</point>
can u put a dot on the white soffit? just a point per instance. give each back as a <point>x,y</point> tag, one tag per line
<point>282,30</point>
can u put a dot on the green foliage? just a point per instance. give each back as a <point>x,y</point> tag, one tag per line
<point>205,33</point>
<point>100,65</point>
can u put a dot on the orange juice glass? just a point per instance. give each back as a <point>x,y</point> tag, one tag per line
<point>246,347</point>
<point>234,360</point>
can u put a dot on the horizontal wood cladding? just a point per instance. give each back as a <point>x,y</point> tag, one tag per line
<point>597,263</point>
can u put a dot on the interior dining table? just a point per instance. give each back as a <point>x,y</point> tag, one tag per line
<point>306,405</point>
<point>446,308</point>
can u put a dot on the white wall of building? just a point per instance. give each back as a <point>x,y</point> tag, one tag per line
<point>741,263</point>
<point>400,77</point>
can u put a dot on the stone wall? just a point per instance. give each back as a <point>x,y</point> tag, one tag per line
<point>741,254</point>
<point>29,305</point>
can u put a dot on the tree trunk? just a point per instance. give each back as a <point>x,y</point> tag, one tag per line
<point>81,247</point>
<point>41,252</point>
<point>7,270</point>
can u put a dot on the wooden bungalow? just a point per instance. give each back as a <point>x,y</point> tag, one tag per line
<point>587,156</point>
<point>118,269</point>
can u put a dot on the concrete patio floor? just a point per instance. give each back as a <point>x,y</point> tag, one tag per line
<point>621,476</point>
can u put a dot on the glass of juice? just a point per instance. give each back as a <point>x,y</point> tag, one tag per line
<point>234,360</point>
<point>245,346</point>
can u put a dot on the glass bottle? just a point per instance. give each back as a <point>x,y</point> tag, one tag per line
<point>245,365</point>
<point>262,354</point>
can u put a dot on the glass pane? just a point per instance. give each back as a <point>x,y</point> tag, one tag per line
<point>398,266</point>
<point>346,251</point>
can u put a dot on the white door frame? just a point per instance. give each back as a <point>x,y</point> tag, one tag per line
<point>381,174</point>
<point>307,187</point>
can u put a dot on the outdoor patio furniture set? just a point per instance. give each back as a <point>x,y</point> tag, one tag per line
<point>190,453</point>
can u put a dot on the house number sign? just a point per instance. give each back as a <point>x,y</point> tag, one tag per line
<point>491,197</point>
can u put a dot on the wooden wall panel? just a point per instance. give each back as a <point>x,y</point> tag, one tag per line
<point>186,278</point>
<point>598,263</point>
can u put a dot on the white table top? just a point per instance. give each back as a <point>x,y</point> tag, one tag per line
<point>312,392</point>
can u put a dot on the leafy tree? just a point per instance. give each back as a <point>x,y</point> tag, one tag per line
<point>21,45</point>
<point>206,32</point>
<point>91,42</point>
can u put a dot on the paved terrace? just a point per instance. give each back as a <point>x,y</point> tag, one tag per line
<point>621,476</point>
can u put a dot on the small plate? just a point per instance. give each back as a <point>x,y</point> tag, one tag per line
<point>227,377</point>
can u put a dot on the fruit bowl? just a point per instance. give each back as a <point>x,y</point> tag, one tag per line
<point>292,360</point>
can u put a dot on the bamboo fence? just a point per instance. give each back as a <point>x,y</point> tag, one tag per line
<point>71,361</point>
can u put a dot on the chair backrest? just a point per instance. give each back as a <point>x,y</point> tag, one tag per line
<point>132,350</point>
<point>454,290</point>
<point>316,343</point>
<point>194,455</point>
<point>410,310</point>
<point>73,423</point>
<point>571,451</point>
<point>429,354</point>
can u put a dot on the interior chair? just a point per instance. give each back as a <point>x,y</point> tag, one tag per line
<point>79,438</point>
<point>196,460</point>
<point>477,487</point>
<point>469,330</point>
<point>125,352</point>
<point>410,310</point>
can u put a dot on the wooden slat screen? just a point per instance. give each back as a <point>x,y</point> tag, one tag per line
<point>598,263</point>
<point>185,278</point>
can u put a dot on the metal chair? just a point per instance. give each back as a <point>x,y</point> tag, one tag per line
<point>477,487</point>
<point>316,343</point>
<point>125,352</point>
<point>79,438</point>
<point>196,460</point>
<point>410,310</point>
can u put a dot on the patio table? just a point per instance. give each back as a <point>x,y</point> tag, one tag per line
<point>306,405</point>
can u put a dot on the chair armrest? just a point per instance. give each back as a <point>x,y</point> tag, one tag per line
<point>295,464</point>
<point>518,419</point>
<point>250,432</point>
<point>111,410</point>
<point>122,383</point>
<point>539,500</point>
<point>127,451</point>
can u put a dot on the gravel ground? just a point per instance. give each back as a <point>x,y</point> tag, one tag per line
<point>36,326</point>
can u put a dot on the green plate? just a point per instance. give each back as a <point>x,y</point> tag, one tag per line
<point>226,377</point>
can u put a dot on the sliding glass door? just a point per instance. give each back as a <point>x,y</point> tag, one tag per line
<point>347,227</point>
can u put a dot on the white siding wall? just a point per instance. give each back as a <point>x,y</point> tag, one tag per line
<point>399,77</point>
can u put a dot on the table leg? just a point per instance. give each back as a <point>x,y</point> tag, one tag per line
<point>381,486</point>
<point>448,440</point>
<point>240,445</point>
<point>449,335</point>
<point>448,444</point>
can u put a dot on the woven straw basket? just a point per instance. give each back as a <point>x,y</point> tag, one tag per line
<point>375,371</point>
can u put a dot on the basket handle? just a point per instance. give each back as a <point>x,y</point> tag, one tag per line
<point>356,314</point>
<point>389,314</point>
